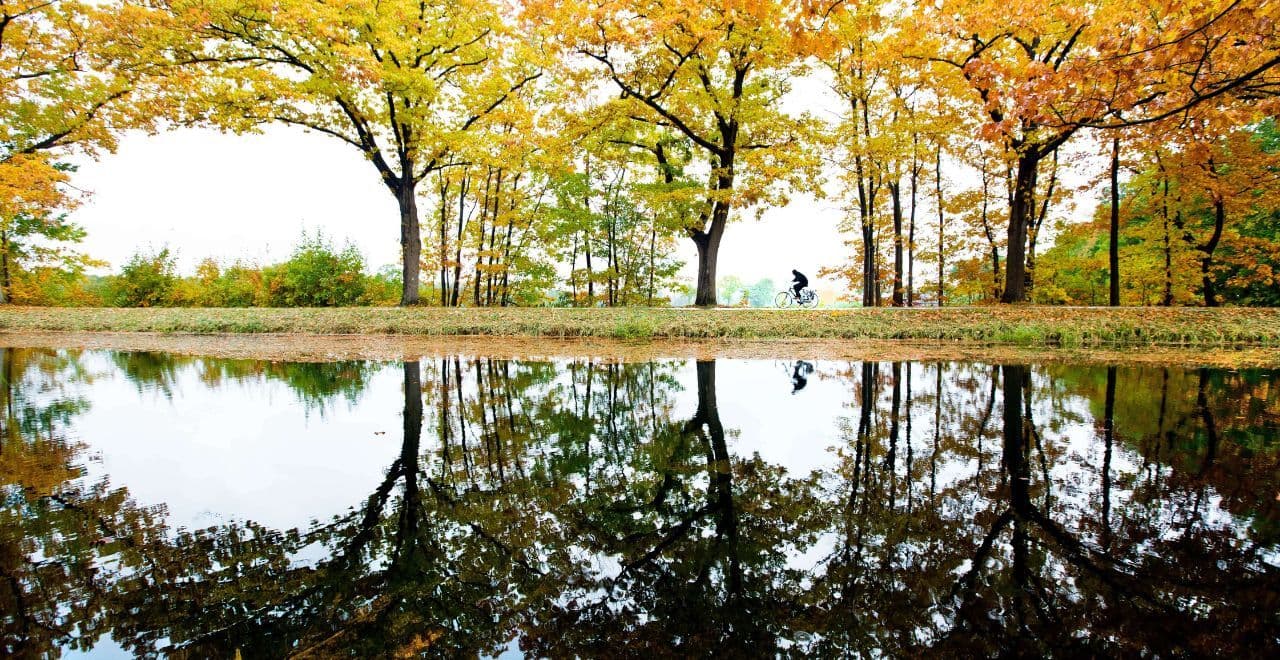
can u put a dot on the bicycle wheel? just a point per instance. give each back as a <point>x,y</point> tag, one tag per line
<point>783,300</point>
<point>810,299</point>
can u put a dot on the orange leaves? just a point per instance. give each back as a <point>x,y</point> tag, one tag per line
<point>29,185</point>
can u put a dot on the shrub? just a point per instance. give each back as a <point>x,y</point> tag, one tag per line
<point>383,288</point>
<point>237,285</point>
<point>147,280</point>
<point>54,287</point>
<point>317,275</point>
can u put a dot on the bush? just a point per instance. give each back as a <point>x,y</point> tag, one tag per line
<point>54,287</point>
<point>148,280</point>
<point>237,285</point>
<point>383,288</point>
<point>317,275</point>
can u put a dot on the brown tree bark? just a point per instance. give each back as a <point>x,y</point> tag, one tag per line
<point>1114,245</point>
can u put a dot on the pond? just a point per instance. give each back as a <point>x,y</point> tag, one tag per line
<point>158,504</point>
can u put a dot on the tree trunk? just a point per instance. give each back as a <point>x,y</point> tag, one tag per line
<point>1206,262</point>
<point>991,239</point>
<point>942,229</point>
<point>653,240</point>
<point>4,268</point>
<point>477,279</point>
<point>1033,228</point>
<point>869,298</point>
<point>1168,249</point>
<point>457,253</point>
<point>573,268</point>
<point>410,242</point>
<point>708,244</point>
<point>1114,248</point>
<point>911,238</point>
<point>1020,211</point>
<point>1108,437</point>
<point>895,193</point>
<point>591,284</point>
<point>506,264</point>
<point>444,242</point>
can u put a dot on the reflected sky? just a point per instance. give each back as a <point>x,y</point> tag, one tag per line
<point>464,506</point>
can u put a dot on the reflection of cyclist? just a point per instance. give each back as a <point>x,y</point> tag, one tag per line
<point>798,282</point>
<point>800,375</point>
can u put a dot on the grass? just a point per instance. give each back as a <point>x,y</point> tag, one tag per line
<point>1071,327</point>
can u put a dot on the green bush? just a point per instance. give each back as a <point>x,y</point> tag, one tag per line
<point>147,280</point>
<point>317,275</point>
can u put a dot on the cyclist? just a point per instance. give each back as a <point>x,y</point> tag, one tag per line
<point>798,283</point>
<point>800,375</point>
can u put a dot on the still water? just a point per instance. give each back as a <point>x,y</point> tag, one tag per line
<point>155,504</point>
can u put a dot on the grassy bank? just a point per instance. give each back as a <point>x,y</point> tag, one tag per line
<point>1014,326</point>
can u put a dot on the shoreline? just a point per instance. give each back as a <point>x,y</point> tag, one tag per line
<point>297,347</point>
<point>1024,326</point>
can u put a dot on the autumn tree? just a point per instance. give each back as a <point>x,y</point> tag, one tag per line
<point>623,196</point>
<point>887,110</point>
<point>71,77</point>
<point>716,73</point>
<point>1196,219</point>
<point>402,82</point>
<point>487,233</point>
<point>1039,73</point>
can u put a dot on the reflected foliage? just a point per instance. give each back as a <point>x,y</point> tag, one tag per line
<point>599,508</point>
<point>317,385</point>
<point>64,538</point>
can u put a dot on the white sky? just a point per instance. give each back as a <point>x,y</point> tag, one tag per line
<point>206,193</point>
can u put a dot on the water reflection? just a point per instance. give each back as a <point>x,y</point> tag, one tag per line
<point>599,508</point>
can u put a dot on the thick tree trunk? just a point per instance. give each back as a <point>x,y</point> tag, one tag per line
<point>410,242</point>
<point>1020,211</point>
<point>1114,247</point>
<point>708,244</point>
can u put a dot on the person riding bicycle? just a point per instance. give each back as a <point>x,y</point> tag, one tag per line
<point>798,283</point>
<point>800,375</point>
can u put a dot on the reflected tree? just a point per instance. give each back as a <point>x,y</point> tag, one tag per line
<point>65,539</point>
<point>581,509</point>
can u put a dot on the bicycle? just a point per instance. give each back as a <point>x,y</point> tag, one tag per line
<point>808,298</point>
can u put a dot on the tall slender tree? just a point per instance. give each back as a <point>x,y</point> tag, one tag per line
<point>714,72</point>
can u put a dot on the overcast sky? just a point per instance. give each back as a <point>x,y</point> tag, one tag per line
<point>205,193</point>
